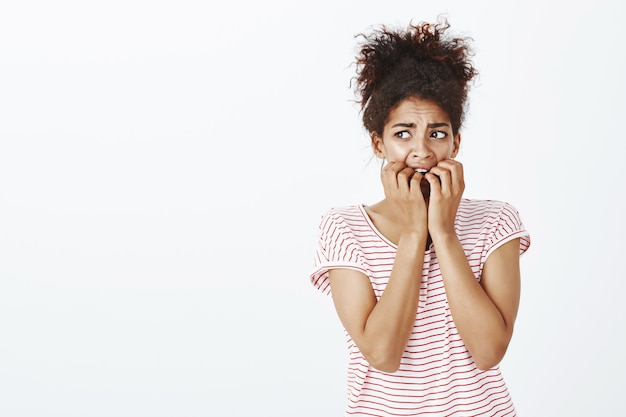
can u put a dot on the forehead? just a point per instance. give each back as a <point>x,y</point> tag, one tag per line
<point>416,109</point>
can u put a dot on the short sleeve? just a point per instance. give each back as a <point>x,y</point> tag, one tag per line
<point>508,226</point>
<point>336,248</point>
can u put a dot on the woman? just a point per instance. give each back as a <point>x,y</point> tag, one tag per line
<point>425,282</point>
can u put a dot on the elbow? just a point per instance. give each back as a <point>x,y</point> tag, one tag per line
<point>386,367</point>
<point>484,364</point>
<point>489,353</point>
<point>384,361</point>
<point>489,358</point>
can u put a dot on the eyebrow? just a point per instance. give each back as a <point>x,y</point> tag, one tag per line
<point>440,124</point>
<point>430,125</point>
<point>404,125</point>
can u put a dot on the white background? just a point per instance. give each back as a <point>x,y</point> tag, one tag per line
<point>164,164</point>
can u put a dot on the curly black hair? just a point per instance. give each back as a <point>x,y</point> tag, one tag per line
<point>422,62</point>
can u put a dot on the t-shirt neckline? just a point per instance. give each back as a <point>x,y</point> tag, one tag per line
<point>372,226</point>
<point>382,237</point>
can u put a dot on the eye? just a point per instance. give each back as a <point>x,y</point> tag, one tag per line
<point>438,134</point>
<point>403,134</point>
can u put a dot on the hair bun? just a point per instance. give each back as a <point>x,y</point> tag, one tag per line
<point>421,60</point>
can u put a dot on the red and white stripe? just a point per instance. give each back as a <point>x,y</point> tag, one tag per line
<point>437,375</point>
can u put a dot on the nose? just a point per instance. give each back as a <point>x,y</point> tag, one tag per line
<point>421,149</point>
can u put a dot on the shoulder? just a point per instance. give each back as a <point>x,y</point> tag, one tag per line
<point>493,221</point>
<point>473,209</point>
<point>344,211</point>
<point>475,206</point>
<point>346,216</point>
<point>339,243</point>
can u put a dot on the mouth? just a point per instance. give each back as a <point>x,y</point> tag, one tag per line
<point>424,184</point>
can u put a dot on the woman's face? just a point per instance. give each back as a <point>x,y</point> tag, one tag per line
<point>419,133</point>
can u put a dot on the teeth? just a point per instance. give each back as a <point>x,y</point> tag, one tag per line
<point>421,170</point>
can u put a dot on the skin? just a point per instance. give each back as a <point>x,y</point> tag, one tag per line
<point>418,134</point>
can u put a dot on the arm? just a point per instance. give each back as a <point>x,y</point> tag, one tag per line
<point>484,313</point>
<point>381,328</point>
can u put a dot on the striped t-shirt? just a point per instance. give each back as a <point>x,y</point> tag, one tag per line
<point>437,375</point>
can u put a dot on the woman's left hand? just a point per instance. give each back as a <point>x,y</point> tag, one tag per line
<point>446,190</point>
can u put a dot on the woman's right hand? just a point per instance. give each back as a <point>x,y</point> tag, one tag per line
<point>404,195</point>
<point>381,327</point>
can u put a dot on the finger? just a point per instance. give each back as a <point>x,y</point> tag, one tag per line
<point>444,177</point>
<point>455,168</point>
<point>448,163</point>
<point>415,187</point>
<point>435,183</point>
<point>416,178</point>
<point>388,175</point>
<point>404,178</point>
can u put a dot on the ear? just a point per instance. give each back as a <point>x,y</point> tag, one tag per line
<point>377,146</point>
<point>456,143</point>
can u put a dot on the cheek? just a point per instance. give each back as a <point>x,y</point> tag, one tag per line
<point>448,152</point>
<point>397,154</point>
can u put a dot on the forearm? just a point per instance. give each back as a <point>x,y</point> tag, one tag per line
<point>390,323</point>
<point>480,324</point>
